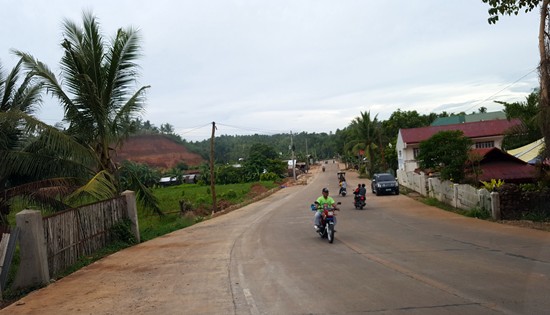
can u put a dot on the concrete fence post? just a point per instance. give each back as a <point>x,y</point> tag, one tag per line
<point>455,195</point>
<point>131,209</point>
<point>495,205</point>
<point>33,267</point>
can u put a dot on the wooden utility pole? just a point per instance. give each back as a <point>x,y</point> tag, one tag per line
<point>293,159</point>
<point>212,177</point>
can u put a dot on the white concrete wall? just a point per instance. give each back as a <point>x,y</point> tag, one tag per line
<point>459,196</point>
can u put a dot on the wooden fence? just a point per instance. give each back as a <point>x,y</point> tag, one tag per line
<point>77,232</point>
<point>8,238</point>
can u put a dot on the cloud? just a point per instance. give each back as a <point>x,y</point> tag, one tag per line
<point>298,65</point>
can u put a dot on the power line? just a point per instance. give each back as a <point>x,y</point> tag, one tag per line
<point>195,128</point>
<point>506,87</point>
<point>264,131</point>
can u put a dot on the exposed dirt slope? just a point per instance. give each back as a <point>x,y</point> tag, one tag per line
<point>156,151</point>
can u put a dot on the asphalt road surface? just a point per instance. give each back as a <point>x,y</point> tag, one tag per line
<point>397,256</point>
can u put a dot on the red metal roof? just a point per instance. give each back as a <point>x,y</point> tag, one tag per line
<point>476,129</point>
<point>508,172</point>
<point>497,164</point>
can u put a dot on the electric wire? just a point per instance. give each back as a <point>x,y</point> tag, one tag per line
<point>495,94</point>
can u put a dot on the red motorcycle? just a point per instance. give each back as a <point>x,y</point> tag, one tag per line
<point>326,230</point>
<point>359,201</point>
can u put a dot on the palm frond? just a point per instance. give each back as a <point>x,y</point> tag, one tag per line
<point>143,194</point>
<point>47,78</point>
<point>100,187</point>
<point>52,138</point>
<point>48,193</point>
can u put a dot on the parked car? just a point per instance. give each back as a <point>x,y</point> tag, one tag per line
<point>384,183</point>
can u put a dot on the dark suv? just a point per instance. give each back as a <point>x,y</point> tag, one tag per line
<point>384,183</point>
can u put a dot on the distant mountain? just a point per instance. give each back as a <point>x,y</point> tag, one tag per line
<point>156,151</point>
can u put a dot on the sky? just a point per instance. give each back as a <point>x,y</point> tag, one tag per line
<point>283,66</point>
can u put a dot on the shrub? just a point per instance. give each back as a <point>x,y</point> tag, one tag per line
<point>269,176</point>
<point>122,232</point>
<point>230,194</point>
<point>478,213</point>
<point>493,184</point>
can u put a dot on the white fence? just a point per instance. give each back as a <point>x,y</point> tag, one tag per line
<point>459,196</point>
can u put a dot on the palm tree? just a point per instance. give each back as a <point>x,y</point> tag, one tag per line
<point>366,132</point>
<point>38,160</point>
<point>22,98</point>
<point>97,92</point>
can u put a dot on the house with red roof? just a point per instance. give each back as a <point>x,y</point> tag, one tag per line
<point>497,164</point>
<point>484,134</point>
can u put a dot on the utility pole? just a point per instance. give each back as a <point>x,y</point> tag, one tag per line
<point>293,159</point>
<point>212,177</point>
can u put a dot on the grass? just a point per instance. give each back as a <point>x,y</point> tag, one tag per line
<point>151,225</point>
<point>200,197</point>
<point>473,213</point>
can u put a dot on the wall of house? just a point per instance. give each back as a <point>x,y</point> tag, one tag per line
<point>405,156</point>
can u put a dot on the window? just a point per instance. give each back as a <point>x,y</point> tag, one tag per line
<point>415,152</point>
<point>399,153</point>
<point>485,144</point>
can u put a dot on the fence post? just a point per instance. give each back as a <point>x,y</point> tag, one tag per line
<point>131,210</point>
<point>495,205</point>
<point>33,267</point>
<point>455,195</point>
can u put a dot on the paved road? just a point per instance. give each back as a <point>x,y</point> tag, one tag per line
<point>397,256</point>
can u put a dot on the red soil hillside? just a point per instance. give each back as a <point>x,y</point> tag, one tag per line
<point>156,151</point>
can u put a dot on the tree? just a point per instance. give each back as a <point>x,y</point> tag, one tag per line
<point>509,7</point>
<point>166,128</point>
<point>262,158</point>
<point>529,130</point>
<point>405,119</point>
<point>446,152</point>
<point>20,96</point>
<point>96,92</point>
<point>366,131</point>
<point>28,147</point>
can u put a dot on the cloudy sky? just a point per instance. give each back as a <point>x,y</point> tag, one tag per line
<point>296,65</point>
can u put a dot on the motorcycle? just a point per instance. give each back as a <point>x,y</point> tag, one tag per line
<point>343,192</point>
<point>359,202</point>
<point>326,230</point>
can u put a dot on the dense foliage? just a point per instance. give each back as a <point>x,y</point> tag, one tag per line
<point>445,152</point>
<point>528,113</point>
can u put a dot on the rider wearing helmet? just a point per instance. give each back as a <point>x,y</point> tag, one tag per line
<point>321,202</point>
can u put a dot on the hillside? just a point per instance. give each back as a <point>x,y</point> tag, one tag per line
<point>156,151</point>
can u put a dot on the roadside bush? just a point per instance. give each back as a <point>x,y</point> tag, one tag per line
<point>269,176</point>
<point>478,213</point>
<point>230,194</point>
<point>122,232</point>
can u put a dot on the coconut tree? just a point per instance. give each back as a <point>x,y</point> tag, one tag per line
<point>366,132</point>
<point>16,96</point>
<point>99,95</point>
<point>39,162</point>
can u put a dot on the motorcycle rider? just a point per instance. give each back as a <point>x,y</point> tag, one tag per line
<point>323,200</point>
<point>356,191</point>
<point>343,186</point>
<point>360,191</point>
<point>363,190</point>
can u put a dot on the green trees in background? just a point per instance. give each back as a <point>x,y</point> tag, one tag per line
<point>445,152</point>
<point>528,113</point>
